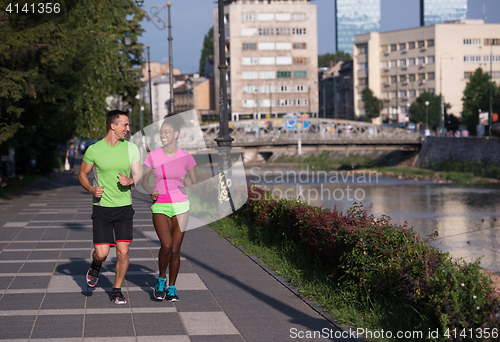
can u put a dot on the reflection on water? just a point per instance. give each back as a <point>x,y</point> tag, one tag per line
<point>464,216</point>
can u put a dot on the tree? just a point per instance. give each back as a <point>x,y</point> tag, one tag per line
<point>372,104</point>
<point>324,60</point>
<point>208,48</point>
<point>418,110</point>
<point>476,96</point>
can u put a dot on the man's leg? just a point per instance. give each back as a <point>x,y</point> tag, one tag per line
<point>122,262</point>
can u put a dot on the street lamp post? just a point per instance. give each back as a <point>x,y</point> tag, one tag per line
<point>150,91</point>
<point>188,87</point>
<point>408,112</point>
<point>426,118</point>
<point>170,62</point>
<point>224,139</point>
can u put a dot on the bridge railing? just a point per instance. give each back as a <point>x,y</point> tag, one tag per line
<point>290,130</point>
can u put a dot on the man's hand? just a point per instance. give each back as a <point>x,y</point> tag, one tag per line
<point>154,195</point>
<point>97,191</point>
<point>124,180</point>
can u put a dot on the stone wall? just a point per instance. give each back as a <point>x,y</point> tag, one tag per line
<point>438,149</point>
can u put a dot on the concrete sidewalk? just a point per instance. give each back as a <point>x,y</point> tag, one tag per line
<point>45,247</point>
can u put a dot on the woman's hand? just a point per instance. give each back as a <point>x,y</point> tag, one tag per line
<point>187,181</point>
<point>154,195</point>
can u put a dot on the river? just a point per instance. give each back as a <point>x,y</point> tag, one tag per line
<point>466,217</point>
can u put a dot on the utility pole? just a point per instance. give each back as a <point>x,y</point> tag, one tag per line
<point>150,92</point>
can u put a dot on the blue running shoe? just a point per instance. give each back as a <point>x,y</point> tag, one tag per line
<point>172,294</point>
<point>159,291</point>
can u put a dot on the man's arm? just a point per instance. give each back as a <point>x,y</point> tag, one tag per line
<point>136,175</point>
<point>84,180</point>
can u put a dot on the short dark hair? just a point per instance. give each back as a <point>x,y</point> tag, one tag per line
<point>176,121</point>
<point>112,116</point>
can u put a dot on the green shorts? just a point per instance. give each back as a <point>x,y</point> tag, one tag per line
<point>170,209</point>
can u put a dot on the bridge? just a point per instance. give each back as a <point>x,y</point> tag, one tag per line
<point>270,135</point>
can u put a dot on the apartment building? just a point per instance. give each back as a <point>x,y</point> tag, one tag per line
<point>434,12</point>
<point>400,65</point>
<point>271,52</point>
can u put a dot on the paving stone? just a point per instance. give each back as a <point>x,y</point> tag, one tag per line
<point>30,234</point>
<point>196,300</point>
<point>16,327</point>
<point>207,323</point>
<point>63,301</point>
<point>35,255</point>
<point>5,282</point>
<point>10,267</point>
<point>115,325</point>
<point>148,324</point>
<point>34,282</point>
<point>10,255</point>
<point>21,301</point>
<point>55,234</point>
<point>38,267</point>
<point>68,326</point>
<point>22,245</point>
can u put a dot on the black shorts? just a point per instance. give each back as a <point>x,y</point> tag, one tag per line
<point>112,224</point>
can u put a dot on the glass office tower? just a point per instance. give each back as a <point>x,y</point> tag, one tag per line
<point>355,17</point>
<point>438,11</point>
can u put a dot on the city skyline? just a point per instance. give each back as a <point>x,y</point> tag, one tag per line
<point>188,38</point>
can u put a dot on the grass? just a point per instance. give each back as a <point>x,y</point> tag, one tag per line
<point>316,283</point>
<point>12,188</point>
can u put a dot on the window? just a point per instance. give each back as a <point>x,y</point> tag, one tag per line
<point>472,59</point>
<point>248,16</point>
<point>421,44</point>
<point>286,60</point>
<point>384,95</point>
<point>249,46</point>
<point>300,102</point>
<point>402,78</point>
<point>420,60</point>
<point>384,64</point>
<point>363,81</point>
<point>411,77</point>
<point>249,31</point>
<point>430,75</point>
<point>267,75</point>
<point>394,47</point>
<point>421,76</point>
<point>468,74</point>
<point>430,59</point>
<point>283,31</point>
<point>402,63</point>
<point>266,31</point>
<point>265,16</point>
<point>249,61</point>
<point>283,46</point>
<point>394,94</point>
<point>249,75</point>
<point>495,74</point>
<point>431,90</point>
<point>298,31</point>
<point>266,46</point>
<point>284,88</point>
<point>411,45</point>
<point>385,48</point>
<point>300,74</point>
<point>267,88</point>
<point>299,16</point>
<point>412,93</point>
<point>430,42</point>
<point>249,89</point>
<point>284,102</point>
<point>394,110</point>
<point>284,74</point>
<point>267,103</point>
<point>362,49</point>
<point>394,63</point>
<point>362,66</point>
<point>250,103</point>
<point>411,61</point>
<point>283,16</point>
<point>492,41</point>
<point>299,46</point>
<point>403,109</point>
<point>301,88</point>
<point>402,46</point>
<point>394,79</point>
<point>267,61</point>
<point>494,58</point>
<point>472,41</point>
<point>299,60</point>
<point>402,93</point>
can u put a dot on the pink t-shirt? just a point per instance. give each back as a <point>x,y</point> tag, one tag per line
<point>168,172</point>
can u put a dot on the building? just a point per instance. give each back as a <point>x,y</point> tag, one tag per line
<point>271,52</point>
<point>400,65</point>
<point>196,93</point>
<point>440,11</point>
<point>353,17</point>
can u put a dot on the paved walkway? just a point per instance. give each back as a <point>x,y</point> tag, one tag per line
<point>45,246</point>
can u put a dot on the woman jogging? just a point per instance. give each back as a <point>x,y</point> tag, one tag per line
<point>169,165</point>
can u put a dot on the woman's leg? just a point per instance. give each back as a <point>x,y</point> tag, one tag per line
<point>163,225</point>
<point>179,223</point>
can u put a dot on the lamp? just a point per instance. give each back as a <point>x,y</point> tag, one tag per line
<point>427,118</point>
<point>127,39</point>
<point>139,2</point>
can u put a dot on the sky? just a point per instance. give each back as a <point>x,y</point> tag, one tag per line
<point>191,20</point>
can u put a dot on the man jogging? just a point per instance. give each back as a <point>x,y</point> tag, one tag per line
<point>111,158</point>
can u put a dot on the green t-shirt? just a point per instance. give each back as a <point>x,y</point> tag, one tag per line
<point>108,161</point>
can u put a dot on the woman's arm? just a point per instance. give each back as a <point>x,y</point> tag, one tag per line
<point>145,181</point>
<point>192,175</point>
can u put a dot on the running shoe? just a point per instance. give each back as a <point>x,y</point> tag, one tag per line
<point>93,275</point>
<point>118,297</point>
<point>159,291</point>
<point>172,294</point>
